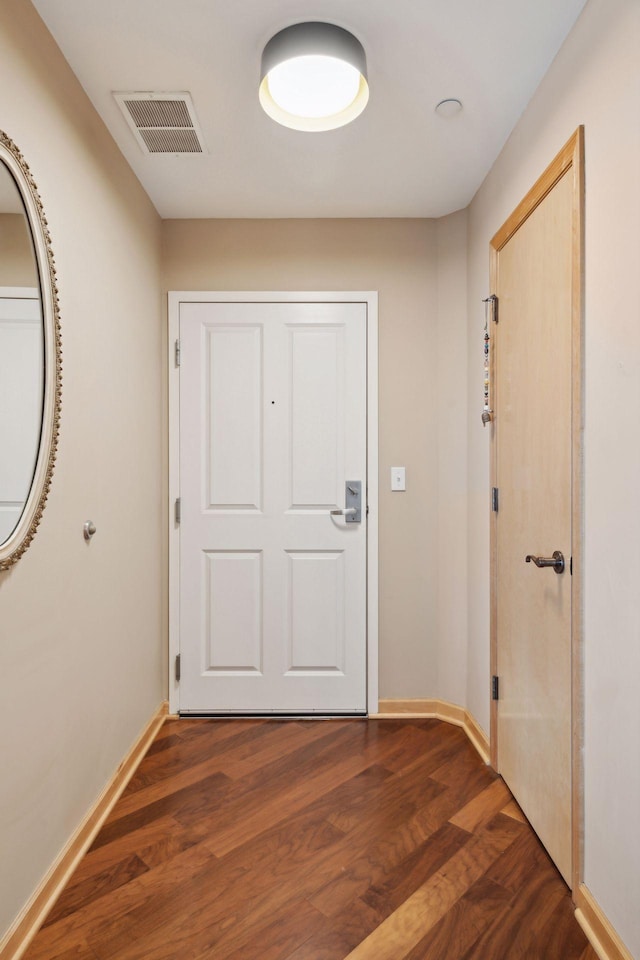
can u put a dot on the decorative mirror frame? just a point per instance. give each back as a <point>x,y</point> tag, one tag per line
<point>20,539</point>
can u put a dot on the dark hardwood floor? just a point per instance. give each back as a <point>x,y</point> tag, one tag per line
<point>313,840</point>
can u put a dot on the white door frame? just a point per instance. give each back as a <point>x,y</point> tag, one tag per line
<point>370,298</point>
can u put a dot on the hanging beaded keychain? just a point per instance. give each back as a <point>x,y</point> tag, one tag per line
<point>487,412</point>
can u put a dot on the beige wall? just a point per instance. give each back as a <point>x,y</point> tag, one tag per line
<point>451,374</point>
<point>595,80</point>
<point>80,642</point>
<point>400,259</point>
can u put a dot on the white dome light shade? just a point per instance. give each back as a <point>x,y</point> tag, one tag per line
<point>314,86</point>
<point>313,77</point>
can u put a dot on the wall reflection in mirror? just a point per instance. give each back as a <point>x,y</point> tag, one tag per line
<point>22,351</point>
<point>30,356</point>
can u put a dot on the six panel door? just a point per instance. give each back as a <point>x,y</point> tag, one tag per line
<point>272,585</point>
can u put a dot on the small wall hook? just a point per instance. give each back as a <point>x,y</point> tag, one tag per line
<point>89,529</point>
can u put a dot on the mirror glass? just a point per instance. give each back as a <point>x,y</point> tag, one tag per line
<point>21,356</point>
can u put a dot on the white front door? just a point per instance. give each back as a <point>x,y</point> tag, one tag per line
<point>273,586</point>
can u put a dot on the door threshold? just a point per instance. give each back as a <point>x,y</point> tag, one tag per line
<point>271,715</point>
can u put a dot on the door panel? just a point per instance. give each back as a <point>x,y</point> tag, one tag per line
<point>233,606</point>
<point>316,612</point>
<point>233,434</point>
<point>317,375</point>
<point>534,377</point>
<point>272,586</point>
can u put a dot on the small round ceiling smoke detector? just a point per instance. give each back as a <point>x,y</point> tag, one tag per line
<point>448,108</point>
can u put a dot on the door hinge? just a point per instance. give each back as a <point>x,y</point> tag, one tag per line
<point>178,510</point>
<point>178,668</point>
<point>570,566</point>
<point>494,499</point>
<point>177,352</point>
<point>495,687</point>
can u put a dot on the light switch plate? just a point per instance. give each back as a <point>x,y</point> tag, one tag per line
<point>398,478</point>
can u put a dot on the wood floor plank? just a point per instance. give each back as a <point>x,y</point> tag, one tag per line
<point>389,890</point>
<point>511,809</point>
<point>256,903</point>
<point>266,840</point>
<point>169,728</point>
<point>245,904</point>
<point>456,774</point>
<point>81,892</point>
<point>285,931</point>
<point>234,763</point>
<point>80,952</point>
<point>405,927</point>
<point>185,752</point>
<point>100,858</point>
<point>464,923</point>
<point>560,936</point>
<point>483,807</point>
<point>515,932</point>
<point>414,774</point>
<point>426,746</point>
<point>389,855</point>
<point>218,908</point>
<point>98,922</point>
<point>251,809</point>
<point>338,935</point>
<point>189,801</point>
<point>516,866</point>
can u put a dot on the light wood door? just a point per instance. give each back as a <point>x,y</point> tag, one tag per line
<point>273,407</point>
<point>534,473</point>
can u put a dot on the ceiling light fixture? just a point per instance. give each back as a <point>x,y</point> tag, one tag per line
<point>313,77</point>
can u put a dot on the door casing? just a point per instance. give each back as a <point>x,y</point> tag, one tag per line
<point>370,298</point>
<point>569,161</point>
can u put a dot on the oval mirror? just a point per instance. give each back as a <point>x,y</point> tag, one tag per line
<point>30,356</point>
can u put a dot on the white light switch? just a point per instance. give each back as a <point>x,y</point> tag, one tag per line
<point>398,478</point>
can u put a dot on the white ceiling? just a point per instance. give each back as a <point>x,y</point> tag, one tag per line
<point>399,159</point>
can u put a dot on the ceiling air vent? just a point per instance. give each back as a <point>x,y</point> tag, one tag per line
<point>162,122</point>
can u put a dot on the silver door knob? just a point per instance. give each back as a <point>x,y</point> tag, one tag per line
<point>556,561</point>
<point>348,512</point>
